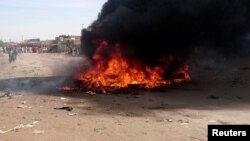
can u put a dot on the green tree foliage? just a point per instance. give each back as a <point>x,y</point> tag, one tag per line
<point>1,43</point>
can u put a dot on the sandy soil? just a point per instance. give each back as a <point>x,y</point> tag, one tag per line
<point>178,114</point>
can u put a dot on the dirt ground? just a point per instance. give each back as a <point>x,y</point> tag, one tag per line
<point>177,114</point>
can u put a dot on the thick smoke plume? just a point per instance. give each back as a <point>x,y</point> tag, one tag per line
<point>148,29</point>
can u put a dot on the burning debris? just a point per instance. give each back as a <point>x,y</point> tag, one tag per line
<point>116,73</point>
<point>120,72</point>
<point>138,44</point>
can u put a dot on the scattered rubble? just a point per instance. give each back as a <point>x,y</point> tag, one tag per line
<point>23,106</point>
<point>36,132</point>
<point>63,98</point>
<point>91,93</point>
<point>212,121</point>
<point>21,126</point>
<point>24,102</point>
<point>67,108</point>
<point>222,122</point>
<point>72,114</point>
<point>168,120</point>
<point>218,122</point>
<point>98,130</point>
<point>8,93</point>
<point>183,121</point>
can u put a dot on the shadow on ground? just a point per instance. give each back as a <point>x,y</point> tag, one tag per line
<point>35,85</point>
<point>189,96</point>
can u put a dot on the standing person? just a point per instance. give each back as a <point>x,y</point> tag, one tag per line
<point>25,49</point>
<point>14,54</point>
<point>22,49</point>
<point>77,52</point>
<point>10,52</point>
<point>73,52</point>
<point>28,50</point>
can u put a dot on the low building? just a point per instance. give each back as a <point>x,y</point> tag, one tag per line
<point>66,43</point>
<point>46,45</point>
<point>33,42</point>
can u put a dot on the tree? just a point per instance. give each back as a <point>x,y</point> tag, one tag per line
<point>1,43</point>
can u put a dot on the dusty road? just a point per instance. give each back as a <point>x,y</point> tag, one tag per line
<point>178,114</point>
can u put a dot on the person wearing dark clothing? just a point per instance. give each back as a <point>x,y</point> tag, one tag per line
<point>10,52</point>
<point>14,54</point>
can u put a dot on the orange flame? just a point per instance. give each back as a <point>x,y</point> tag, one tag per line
<point>66,88</point>
<point>119,72</point>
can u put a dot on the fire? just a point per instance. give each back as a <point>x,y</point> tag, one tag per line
<point>116,71</point>
<point>67,88</point>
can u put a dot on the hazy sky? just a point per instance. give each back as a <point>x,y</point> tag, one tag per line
<point>45,19</point>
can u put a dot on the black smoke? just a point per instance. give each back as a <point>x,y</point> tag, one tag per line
<point>148,29</point>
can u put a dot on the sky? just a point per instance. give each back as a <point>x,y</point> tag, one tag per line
<point>45,19</point>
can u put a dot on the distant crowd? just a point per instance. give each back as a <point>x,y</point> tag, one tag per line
<point>14,51</point>
<point>21,49</point>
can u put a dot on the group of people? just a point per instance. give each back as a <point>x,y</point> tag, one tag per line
<point>12,52</point>
<point>74,51</point>
<point>19,49</point>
